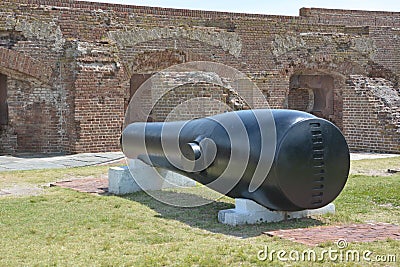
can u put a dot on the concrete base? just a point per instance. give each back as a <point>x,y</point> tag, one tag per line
<point>143,177</point>
<point>249,212</point>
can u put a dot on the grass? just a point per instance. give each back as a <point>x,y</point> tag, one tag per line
<point>62,227</point>
<point>374,167</point>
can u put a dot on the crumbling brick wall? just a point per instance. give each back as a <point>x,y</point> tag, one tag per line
<point>377,127</point>
<point>69,65</point>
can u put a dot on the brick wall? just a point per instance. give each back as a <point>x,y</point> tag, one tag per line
<point>189,102</point>
<point>301,99</point>
<point>377,127</point>
<point>69,66</point>
<point>352,17</point>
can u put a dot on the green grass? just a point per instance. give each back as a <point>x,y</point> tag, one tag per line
<point>374,167</point>
<point>62,227</point>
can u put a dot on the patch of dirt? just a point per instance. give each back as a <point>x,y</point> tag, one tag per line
<point>18,190</point>
<point>371,172</point>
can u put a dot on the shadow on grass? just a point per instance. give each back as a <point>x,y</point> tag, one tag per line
<point>206,217</point>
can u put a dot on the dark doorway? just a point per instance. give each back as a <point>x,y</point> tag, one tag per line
<point>137,80</point>
<point>313,94</point>
<point>3,100</point>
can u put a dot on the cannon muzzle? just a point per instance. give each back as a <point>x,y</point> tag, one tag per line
<point>282,159</point>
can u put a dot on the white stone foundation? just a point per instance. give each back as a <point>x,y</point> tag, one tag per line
<point>249,212</point>
<point>143,177</point>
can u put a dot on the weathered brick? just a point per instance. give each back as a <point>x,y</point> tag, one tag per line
<point>69,66</point>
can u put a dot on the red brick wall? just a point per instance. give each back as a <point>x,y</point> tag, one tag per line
<point>189,102</point>
<point>299,99</point>
<point>73,61</point>
<point>371,116</point>
<point>352,17</point>
<point>99,104</point>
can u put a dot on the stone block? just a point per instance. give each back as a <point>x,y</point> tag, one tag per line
<point>249,212</point>
<point>142,177</point>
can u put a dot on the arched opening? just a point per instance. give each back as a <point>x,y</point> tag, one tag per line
<point>136,81</point>
<point>188,94</point>
<point>144,66</point>
<point>3,100</point>
<point>29,106</point>
<point>313,93</point>
<point>8,144</point>
<point>200,97</point>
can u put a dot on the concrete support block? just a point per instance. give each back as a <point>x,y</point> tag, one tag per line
<point>173,179</point>
<point>120,182</point>
<point>249,212</point>
<point>143,177</point>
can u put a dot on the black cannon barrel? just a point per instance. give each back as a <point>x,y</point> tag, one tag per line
<point>306,167</point>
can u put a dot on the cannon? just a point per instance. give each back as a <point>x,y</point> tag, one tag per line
<point>285,160</point>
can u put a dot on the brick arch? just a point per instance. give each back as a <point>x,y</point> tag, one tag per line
<point>325,65</point>
<point>14,63</point>
<point>160,53</point>
<point>227,40</point>
<point>341,72</point>
<point>148,62</point>
<point>151,61</point>
<point>330,64</point>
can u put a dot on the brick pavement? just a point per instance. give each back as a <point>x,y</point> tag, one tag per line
<point>351,233</point>
<point>87,185</point>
